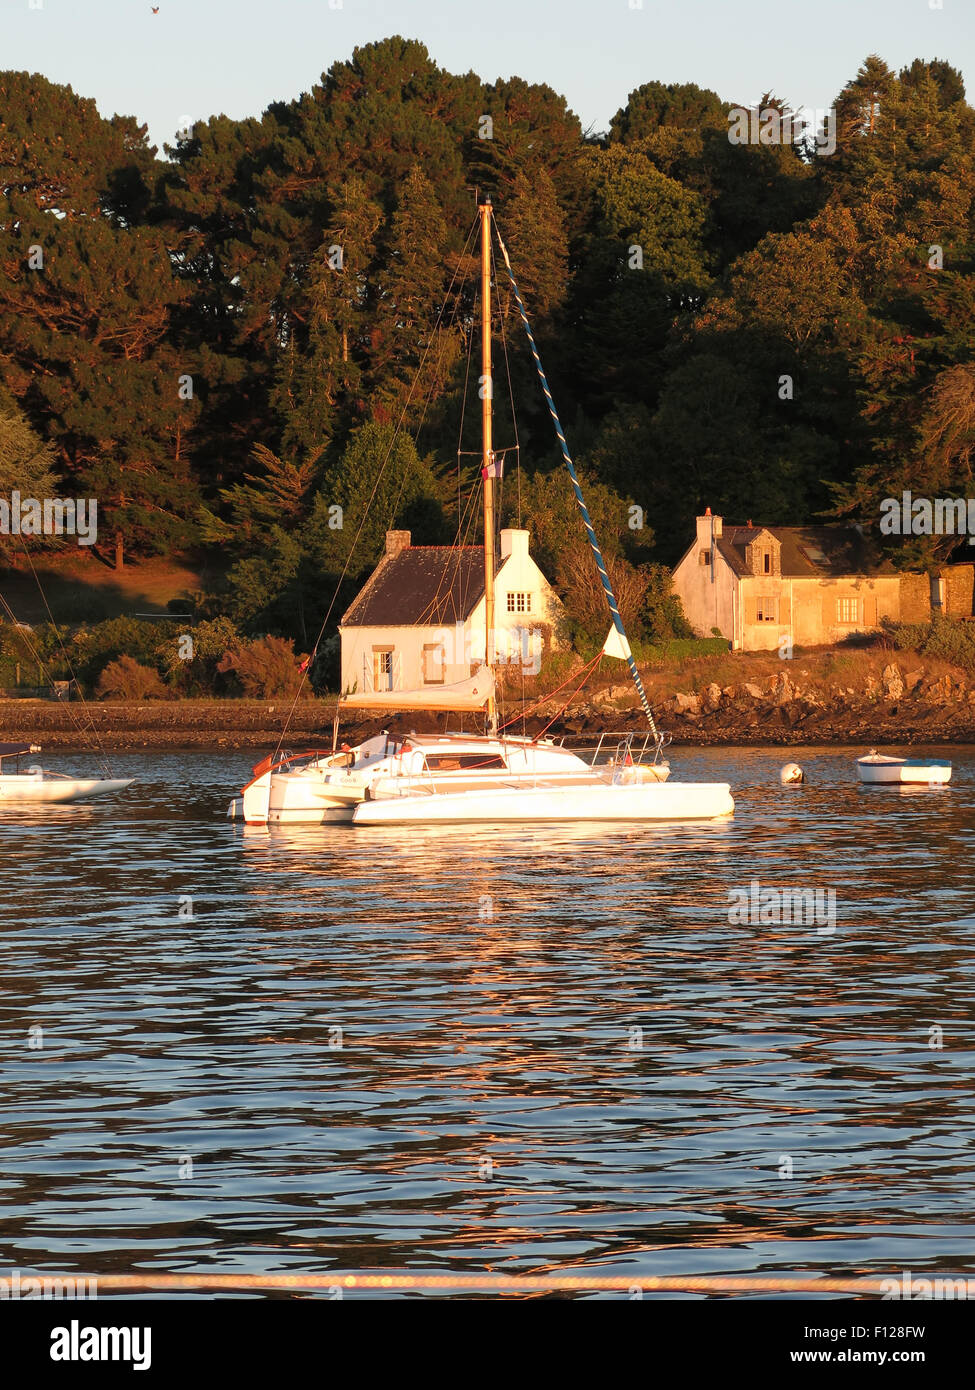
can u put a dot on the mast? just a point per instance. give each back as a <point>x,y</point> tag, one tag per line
<point>487,452</point>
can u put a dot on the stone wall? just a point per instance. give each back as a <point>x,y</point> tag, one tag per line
<point>915,598</point>
<point>959,590</point>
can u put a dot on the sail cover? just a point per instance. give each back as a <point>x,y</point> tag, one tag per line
<point>471,694</point>
<point>15,750</point>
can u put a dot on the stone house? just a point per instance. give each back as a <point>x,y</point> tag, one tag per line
<point>812,585</point>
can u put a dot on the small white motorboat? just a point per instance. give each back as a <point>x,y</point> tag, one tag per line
<point>37,785</point>
<point>883,770</point>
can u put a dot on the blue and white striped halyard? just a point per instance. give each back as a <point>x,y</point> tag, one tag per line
<point>600,564</point>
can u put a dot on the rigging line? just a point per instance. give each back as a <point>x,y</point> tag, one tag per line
<point>438,335</point>
<point>464,256</point>
<point>463,416</point>
<point>469,520</point>
<point>511,387</point>
<point>580,500</point>
<point>355,539</point>
<point>559,713</point>
<point>43,667</point>
<point>103,757</point>
<point>551,694</point>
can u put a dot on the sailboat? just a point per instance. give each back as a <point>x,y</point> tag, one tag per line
<point>492,777</point>
<point>39,786</point>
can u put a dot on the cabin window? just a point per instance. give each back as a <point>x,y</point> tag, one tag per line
<point>382,668</point>
<point>848,611</point>
<point>705,557</point>
<point>765,610</point>
<point>519,603</point>
<point>464,762</point>
<point>433,658</point>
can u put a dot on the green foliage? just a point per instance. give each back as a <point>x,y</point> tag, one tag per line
<point>379,482</point>
<point>943,637</point>
<point>127,679</point>
<point>662,615</point>
<point>680,649</point>
<point>266,667</point>
<point>91,649</point>
<point>26,464</point>
<point>759,263</point>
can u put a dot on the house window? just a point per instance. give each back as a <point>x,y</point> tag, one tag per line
<point>705,557</point>
<point>382,668</point>
<point>767,562</point>
<point>433,663</point>
<point>765,610</point>
<point>519,603</point>
<point>848,611</point>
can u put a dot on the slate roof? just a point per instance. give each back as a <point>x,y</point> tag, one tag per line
<point>421,586</point>
<point>831,551</point>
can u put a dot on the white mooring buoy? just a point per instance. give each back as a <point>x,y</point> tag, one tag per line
<point>791,773</point>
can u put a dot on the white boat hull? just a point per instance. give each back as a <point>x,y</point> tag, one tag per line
<point>321,788</point>
<point>879,770</point>
<point>30,787</point>
<point>648,801</point>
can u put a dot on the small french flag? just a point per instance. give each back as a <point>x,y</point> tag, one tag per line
<point>495,467</point>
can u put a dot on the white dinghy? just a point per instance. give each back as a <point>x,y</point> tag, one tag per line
<point>881,769</point>
<point>37,785</point>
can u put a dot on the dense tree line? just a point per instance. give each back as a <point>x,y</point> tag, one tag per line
<point>245,344</point>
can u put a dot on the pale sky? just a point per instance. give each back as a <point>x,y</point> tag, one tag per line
<point>196,58</point>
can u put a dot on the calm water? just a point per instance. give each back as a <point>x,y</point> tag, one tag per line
<point>490,1105</point>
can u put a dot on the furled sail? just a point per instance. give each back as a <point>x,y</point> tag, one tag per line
<point>472,694</point>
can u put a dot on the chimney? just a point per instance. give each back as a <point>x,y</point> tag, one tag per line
<point>704,524</point>
<point>514,543</point>
<point>395,542</point>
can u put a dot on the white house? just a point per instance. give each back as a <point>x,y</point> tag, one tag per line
<point>419,620</point>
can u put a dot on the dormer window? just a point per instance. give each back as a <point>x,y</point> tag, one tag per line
<point>767,562</point>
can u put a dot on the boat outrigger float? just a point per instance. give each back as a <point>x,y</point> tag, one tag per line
<point>491,777</point>
<point>38,785</point>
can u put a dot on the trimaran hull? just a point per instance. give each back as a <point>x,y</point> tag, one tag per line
<point>649,801</point>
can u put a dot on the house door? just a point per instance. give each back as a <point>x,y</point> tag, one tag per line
<point>382,668</point>
<point>433,657</point>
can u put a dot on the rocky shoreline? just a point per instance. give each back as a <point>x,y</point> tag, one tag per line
<point>896,707</point>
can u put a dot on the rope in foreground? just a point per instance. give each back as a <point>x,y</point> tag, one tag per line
<point>491,1283</point>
